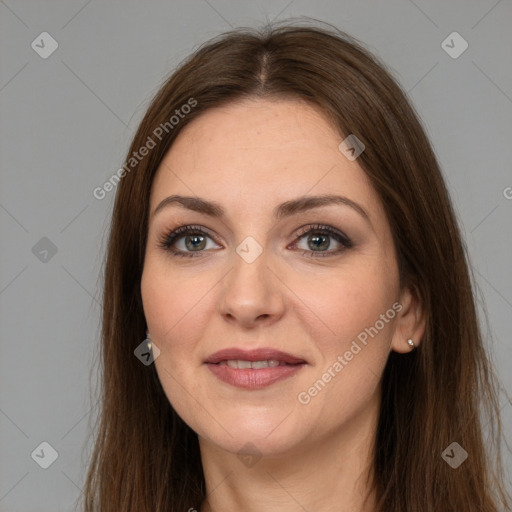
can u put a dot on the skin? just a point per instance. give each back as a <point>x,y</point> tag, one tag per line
<point>250,156</point>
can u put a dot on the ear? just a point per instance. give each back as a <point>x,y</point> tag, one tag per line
<point>410,321</point>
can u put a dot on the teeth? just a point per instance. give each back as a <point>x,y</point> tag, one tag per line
<point>259,364</point>
<point>239,364</point>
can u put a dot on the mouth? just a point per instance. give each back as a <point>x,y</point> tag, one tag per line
<point>255,365</point>
<point>253,369</point>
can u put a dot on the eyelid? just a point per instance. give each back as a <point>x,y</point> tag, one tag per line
<point>317,227</point>
<point>324,229</point>
<point>171,236</point>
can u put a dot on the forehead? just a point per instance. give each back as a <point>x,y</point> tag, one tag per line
<point>266,151</point>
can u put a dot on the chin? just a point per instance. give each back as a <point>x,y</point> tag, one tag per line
<point>254,439</point>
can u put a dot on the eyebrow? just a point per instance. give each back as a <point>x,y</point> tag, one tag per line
<point>286,209</point>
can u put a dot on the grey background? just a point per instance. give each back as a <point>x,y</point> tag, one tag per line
<point>67,121</point>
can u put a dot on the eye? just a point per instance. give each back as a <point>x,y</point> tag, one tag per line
<point>194,241</point>
<point>191,241</point>
<point>318,239</point>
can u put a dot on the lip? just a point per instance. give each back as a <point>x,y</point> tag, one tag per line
<point>251,378</point>
<point>259,354</point>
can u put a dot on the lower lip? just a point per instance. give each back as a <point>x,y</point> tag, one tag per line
<point>251,378</point>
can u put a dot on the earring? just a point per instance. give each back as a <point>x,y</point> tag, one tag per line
<point>410,343</point>
<point>148,340</point>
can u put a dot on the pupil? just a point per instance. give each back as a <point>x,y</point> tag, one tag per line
<point>316,238</point>
<point>195,238</point>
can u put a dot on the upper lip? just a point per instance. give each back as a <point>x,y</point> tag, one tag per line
<point>259,354</point>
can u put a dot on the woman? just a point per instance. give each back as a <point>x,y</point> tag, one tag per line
<point>284,243</point>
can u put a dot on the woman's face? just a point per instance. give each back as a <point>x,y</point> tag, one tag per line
<point>319,284</point>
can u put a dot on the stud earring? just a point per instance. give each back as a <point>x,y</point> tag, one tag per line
<point>410,343</point>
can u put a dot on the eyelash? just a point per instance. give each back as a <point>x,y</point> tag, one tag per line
<point>167,240</point>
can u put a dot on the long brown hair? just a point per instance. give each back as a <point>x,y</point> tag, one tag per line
<point>145,458</point>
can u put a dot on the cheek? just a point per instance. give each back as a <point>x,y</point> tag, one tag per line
<point>175,316</point>
<point>349,301</point>
<point>174,302</point>
<point>361,319</point>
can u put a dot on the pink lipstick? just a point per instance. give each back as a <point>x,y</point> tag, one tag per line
<point>253,369</point>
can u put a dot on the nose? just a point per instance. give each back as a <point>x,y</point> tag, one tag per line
<point>252,294</point>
